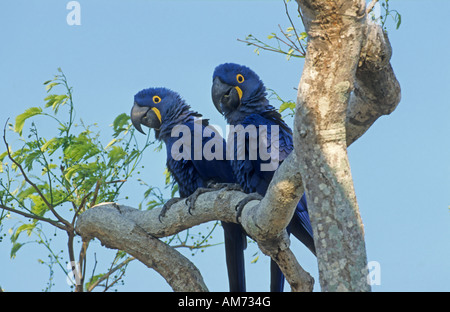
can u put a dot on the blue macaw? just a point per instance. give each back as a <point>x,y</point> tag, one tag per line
<point>239,94</point>
<point>162,110</point>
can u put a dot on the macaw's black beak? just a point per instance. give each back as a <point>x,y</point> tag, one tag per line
<point>141,115</point>
<point>225,96</point>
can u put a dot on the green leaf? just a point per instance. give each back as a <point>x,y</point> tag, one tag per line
<point>80,148</point>
<point>24,227</point>
<point>2,156</point>
<point>287,105</point>
<point>20,120</point>
<point>52,145</point>
<point>93,280</point>
<point>30,158</point>
<point>26,193</point>
<point>38,207</point>
<point>113,141</point>
<point>48,168</point>
<point>15,248</point>
<point>50,86</point>
<point>116,154</point>
<point>174,190</point>
<point>167,175</point>
<point>55,101</point>
<point>399,20</point>
<point>303,35</point>
<point>159,147</point>
<point>121,124</point>
<point>121,121</point>
<point>255,260</point>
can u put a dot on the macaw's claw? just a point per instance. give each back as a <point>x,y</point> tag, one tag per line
<point>167,206</point>
<point>245,201</point>
<point>190,201</point>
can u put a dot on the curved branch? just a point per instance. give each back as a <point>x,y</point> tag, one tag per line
<point>115,230</point>
<point>377,91</point>
<point>124,228</point>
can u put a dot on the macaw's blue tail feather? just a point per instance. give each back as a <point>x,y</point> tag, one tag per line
<point>235,243</point>
<point>300,227</point>
<point>276,278</point>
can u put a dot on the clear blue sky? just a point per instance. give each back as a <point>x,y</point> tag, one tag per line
<point>400,166</point>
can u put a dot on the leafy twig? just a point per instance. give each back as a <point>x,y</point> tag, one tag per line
<point>44,199</point>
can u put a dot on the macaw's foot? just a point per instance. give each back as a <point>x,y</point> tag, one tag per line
<point>245,201</point>
<point>190,201</point>
<point>167,206</point>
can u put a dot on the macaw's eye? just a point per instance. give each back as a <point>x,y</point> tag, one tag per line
<point>156,99</point>
<point>240,78</point>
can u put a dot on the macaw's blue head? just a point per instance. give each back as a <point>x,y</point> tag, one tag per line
<point>236,87</point>
<point>160,109</point>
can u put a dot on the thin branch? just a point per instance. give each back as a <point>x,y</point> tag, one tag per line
<point>82,261</point>
<point>269,48</point>
<point>116,181</point>
<point>292,24</point>
<point>371,6</point>
<point>34,216</point>
<point>76,271</point>
<point>301,15</point>
<point>80,207</point>
<point>292,45</point>
<point>97,188</point>
<point>114,281</point>
<point>192,247</point>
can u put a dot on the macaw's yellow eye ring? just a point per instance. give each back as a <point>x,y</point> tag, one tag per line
<point>240,78</point>
<point>156,99</point>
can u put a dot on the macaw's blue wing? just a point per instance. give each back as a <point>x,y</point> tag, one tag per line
<point>215,170</point>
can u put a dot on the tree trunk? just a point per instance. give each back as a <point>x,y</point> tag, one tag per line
<point>336,36</point>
